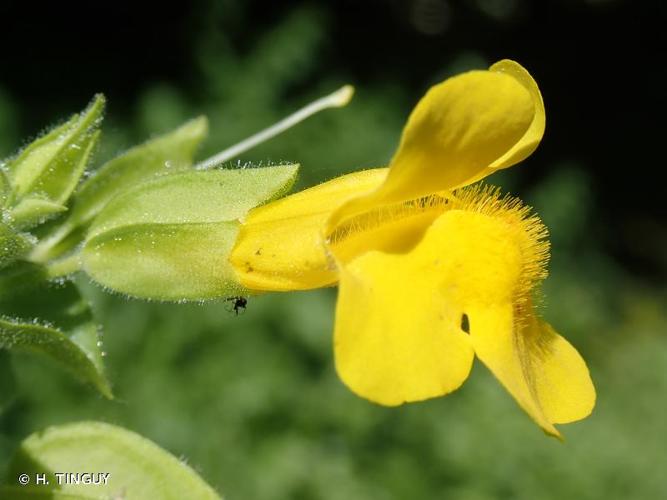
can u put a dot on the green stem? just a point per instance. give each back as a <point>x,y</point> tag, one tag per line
<point>63,267</point>
<point>42,251</point>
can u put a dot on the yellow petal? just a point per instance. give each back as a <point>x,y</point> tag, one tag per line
<point>533,135</point>
<point>457,132</point>
<point>402,312</point>
<point>531,139</point>
<point>280,245</point>
<point>562,381</point>
<point>544,373</point>
<point>398,335</point>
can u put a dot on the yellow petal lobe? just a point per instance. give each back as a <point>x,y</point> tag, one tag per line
<point>280,246</point>
<point>396,340</point>
<point>459,127</point>
<point>562,382</point>
<point>398,334</point>
<point>533,135</point>
<point>531,139</point>
<point>539,368</point>
<point>457,132</point>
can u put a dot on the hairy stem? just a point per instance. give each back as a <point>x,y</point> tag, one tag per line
<point>63,267</point>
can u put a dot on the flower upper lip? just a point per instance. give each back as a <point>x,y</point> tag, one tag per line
<point>462,130</point>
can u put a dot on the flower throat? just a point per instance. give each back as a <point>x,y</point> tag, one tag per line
<point>408,219</point>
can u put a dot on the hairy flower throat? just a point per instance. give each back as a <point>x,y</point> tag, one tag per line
<point>517,227</point>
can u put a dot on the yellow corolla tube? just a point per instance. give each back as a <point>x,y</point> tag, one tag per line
<point>280,245</point>
<point>431,271</point>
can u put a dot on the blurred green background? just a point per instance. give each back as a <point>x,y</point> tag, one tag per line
<point>252,402</point>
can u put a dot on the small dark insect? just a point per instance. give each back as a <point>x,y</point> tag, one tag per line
<point>239,303</point>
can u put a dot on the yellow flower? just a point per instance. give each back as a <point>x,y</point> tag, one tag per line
<point>431,272</point>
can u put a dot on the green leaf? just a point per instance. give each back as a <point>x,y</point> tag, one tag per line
<point>74,350</point>
<point>7,382</point>
<point>19,280</point>
<point>33,211</point>
<point>12,244</point>
<point>39,493</point>
<point>5,187</point>
<point>57,244</point>
<point>64,331</point>
<point>170,238</point>
<point>171,152</point>
<point>51,166</point>
<point>135,468</point>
